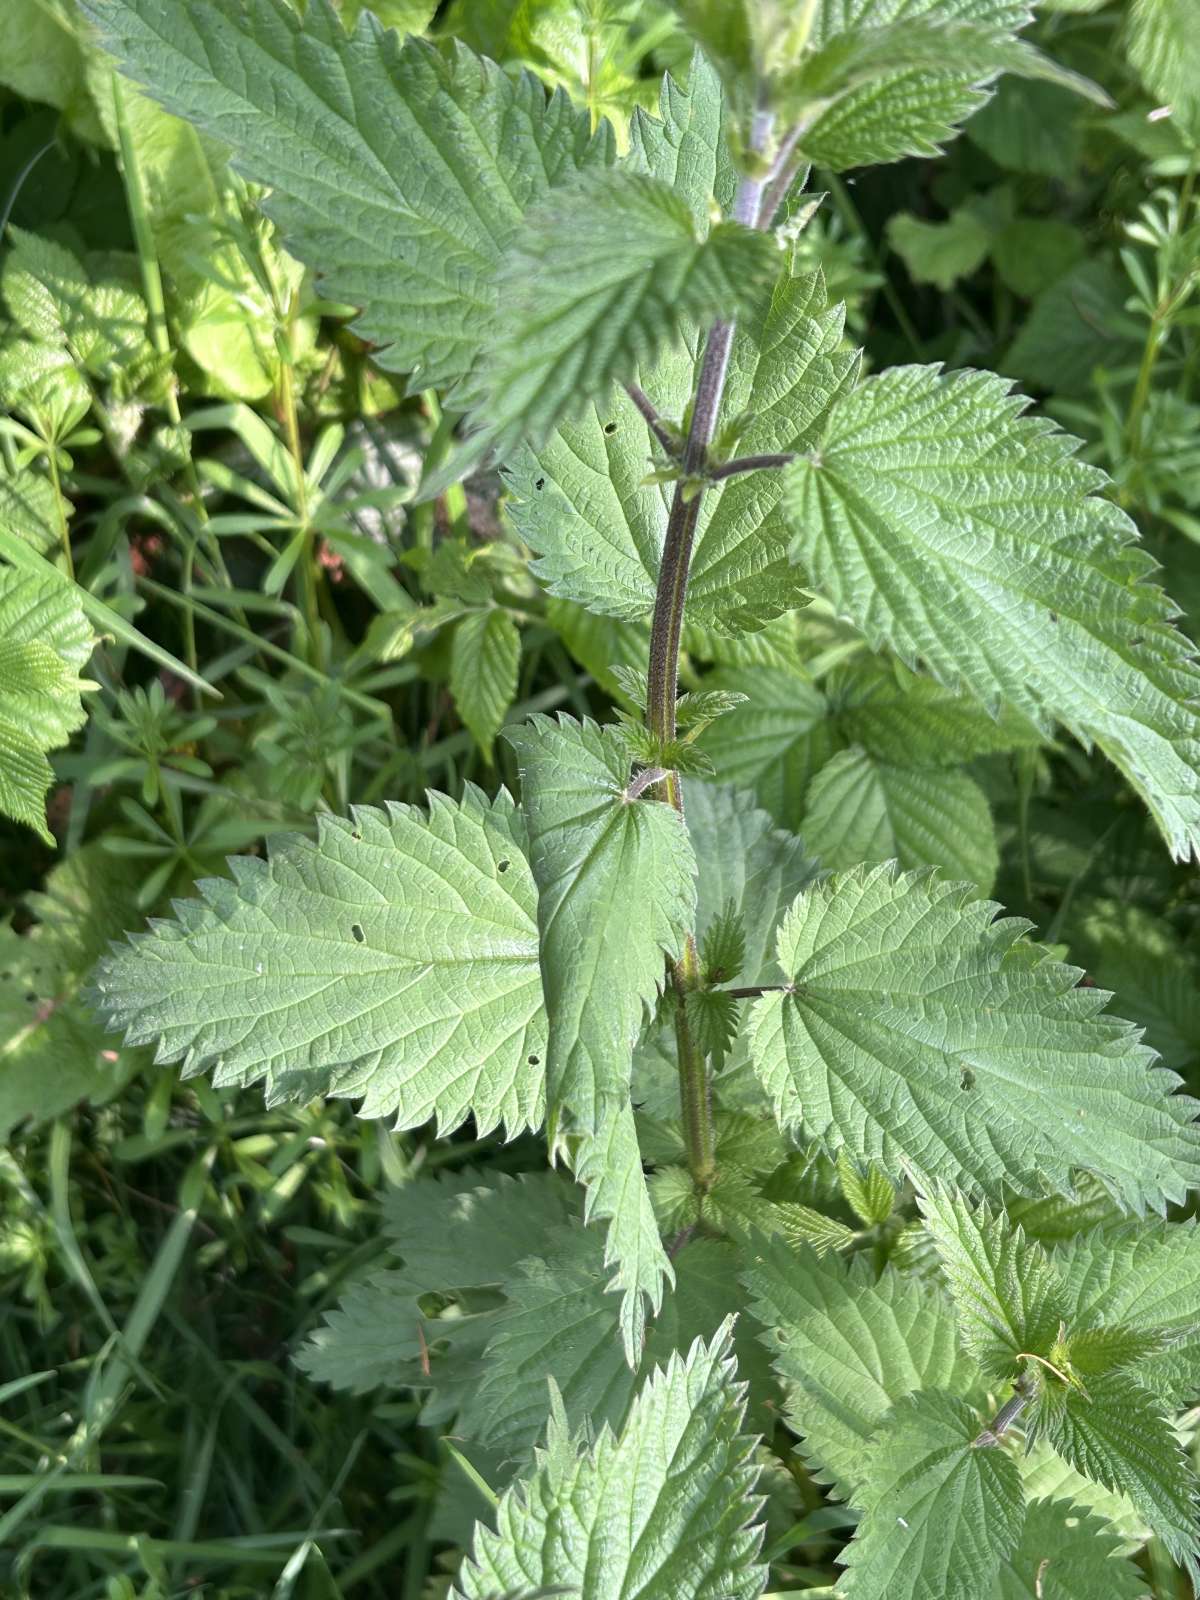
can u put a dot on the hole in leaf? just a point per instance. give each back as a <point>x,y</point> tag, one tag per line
<point>502,866</point>
<point>540,483</point>
<point>610,427</point>
<point>356,930</point>
<point>535,1061</point>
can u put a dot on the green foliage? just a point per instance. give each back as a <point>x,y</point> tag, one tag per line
<point>54,1052</point>
<point>387,234</point>
<point>599,1075</point>
<point>953,1075</point>
<point>1114,1433</point>
<point>848,1348</point>
<point>1066,1555</point>
<point>942,1514</point>
<point>665,1504</point>
<point>1163,49</point>
<point>484,662</point>
<point>593,845</point>
<point>1009,1304</point>
<point>45,643</point>
<point>582,504</point>
<point>1052,601</point>
<point>602,277</point>
<point>312,971</point>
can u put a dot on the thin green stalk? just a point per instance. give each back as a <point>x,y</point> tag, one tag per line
<point>455,497</point>
<point>309,601</point>
<point>64,529</point>
<point>1160,327</point>
<point>143,235</point>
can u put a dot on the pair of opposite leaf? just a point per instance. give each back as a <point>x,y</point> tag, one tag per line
<point>949,527</point>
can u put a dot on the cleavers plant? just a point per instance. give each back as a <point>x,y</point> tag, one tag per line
<point>686,435</point>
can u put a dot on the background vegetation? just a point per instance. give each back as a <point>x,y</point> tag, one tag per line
<point>188,426</point>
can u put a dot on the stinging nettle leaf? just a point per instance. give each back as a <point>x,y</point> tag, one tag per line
<point>906,83</point>
<point>616,897</point>
<point>582,503</point>
<point>919,1032</point>
<point>1010,1302</point>
<point>1114,1432</point>
<point>602,277</point>
<point>394,957</point>
<point>485,657</point>
<point>942,1514</point>
<point>954,529</point>
<point>660,1511</point>
<point>848,1345</point>
<point>45,644</point>
<point>862,809</point>
<point>1067,1554</point>
<point>1145,1276</point>
<point>399,172</point>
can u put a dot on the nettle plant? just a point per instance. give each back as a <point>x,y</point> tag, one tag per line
<point>892,1143</point>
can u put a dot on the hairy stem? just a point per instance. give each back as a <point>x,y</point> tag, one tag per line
<point>663,682</point>
<point>1005,1417</point>
<point>731,469</point>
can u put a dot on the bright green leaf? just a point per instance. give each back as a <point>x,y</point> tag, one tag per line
<point>919,1032</point>
<point>45,644</point>
<point>330,121</point>
<point>604,276</point>
<point>848,1345</point>
<point>53,1052</point>
<point>860,809</point>
<point>616,896</point>
<point>942,1515</point>
<point>660,1510</point>
<point>1067,1554</point>
<point>582,503</point>
<point>1164,47</point>
<point>484,660</point>
<point>393,958</point>
<point>1010,1302</point>
<point>954,529</point>
<point>940,252</point>
<point>1114,1433</point>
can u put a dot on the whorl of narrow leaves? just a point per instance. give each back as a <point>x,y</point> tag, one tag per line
<point>942,1514</point>
<point>394,957</point>
<point>399,172</point>
<point>660,1511</point>
<point>959,532</point>
<point>616,895</point>
<point>917,1030</point>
